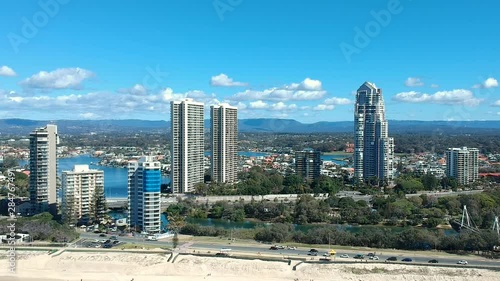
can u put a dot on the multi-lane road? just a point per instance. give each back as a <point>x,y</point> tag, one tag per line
<point>302,252</point>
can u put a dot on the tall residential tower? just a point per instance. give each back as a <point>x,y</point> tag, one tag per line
<point>373,149</point>
<point>462,164</point>
<point>43,169</point>
<point>187,145</point>
<point>82,195</point>
<point>308,164</point>
<point>144,200</point>
<point>224,135</point>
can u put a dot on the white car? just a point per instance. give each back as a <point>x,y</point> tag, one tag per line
<point>344,256</point>
<point>462,262</point>
<point>292,248</point>
<point>375,258</point>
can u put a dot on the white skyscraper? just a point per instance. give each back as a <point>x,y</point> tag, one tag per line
<point>224,135</point>
<point>81,190</point>
<point>43,169</point>
<point>462,164</point>
<point>187,145</point>
<point>144,200</point>
<point>373,149</point>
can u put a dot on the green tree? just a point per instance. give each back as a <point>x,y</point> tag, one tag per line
<point>175,224</point>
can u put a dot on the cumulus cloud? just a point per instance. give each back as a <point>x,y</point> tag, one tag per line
<point>321,107</point>
<point>258,105</point>
<point>222,80</point>
<point>306,90</point>
<point>413,82</point>
<point>338,101</point>
<point>453,97</point>
<point>7,71</point>
<point>487,84</point>
<point>62,78</point>
<point>137,89</point>
<point>497,103</point>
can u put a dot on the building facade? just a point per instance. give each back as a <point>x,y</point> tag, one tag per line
<point>43,169</point>
<point>82,197</point>
<point>224,136</point>
<point>373,148</point>
<point>144,198</point>
<point>187,145</point>
<point>462,164</point>
<point>308,164</point>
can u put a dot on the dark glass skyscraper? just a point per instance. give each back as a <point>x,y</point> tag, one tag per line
<point>373,149</point>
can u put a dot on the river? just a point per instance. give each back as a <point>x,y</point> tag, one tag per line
<point>115,179</point>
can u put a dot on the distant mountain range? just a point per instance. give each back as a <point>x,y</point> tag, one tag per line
<point>264,125</point>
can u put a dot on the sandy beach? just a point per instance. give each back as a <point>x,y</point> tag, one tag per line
<point>73,266</point>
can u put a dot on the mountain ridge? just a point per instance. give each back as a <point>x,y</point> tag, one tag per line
<point>19,126</point>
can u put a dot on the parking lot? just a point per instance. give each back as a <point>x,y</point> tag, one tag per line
<point>105,242</point>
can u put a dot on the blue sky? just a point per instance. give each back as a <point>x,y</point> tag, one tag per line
<point>74,59</point>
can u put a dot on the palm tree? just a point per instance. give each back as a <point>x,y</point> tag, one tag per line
<point>175,224</point>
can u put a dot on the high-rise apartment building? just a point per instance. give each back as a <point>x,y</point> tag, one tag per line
<point>43,169</point>
<point>82,194</point>
<point>187,145</point>
<point>144,200</point>
<point>224,135</point>
<point>462,164</point>
<point>373,149</point>
<point>308,164</point>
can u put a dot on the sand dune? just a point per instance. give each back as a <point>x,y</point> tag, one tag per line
<point>72,266</point>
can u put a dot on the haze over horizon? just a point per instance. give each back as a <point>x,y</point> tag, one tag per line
<point>269,58</point>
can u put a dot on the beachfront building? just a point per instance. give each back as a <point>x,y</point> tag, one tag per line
<point>187,145</point>
<point>43,169</point>
<point>82,196</point>
<point>144,200</point>
<point>373,148</point>
<point>308,164</point>
<point>462,164</point>
<point>224,136</point>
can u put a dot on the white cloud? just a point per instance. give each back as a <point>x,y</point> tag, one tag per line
<point>487,84</point>
<point>258,105</point>
<point>7,71</point>
<point>89,115</point>
<point>321,107</point>
<point>414,82</point>
<point>497,103</point>
<point>62,78</point>
<point>222,80</point>
<point>306,90</point>
<point>453,97</point>
<point>434,86</point>
<point>137,89</point>
<point>338,101</point>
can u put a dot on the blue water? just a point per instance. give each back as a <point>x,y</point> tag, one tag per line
<point>115,179</point>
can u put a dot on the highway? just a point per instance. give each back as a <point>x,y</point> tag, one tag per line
<point>302,252</point>
<point>356,196</point>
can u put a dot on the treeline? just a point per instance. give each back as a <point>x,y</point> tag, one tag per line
<point>42,227</point>
<point>394,210</point>
<point>411,238</point>
<point>258,181</point>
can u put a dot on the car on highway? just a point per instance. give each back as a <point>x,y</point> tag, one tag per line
<point>102,235</point>
<point>280,247</point>
<point>274,248</point>
<point>359,257</point>
<point>313,251</point>
<point>463,262</point>
<point>391,259</point>
<point>370,255</point>
<point>291,248</point>
<point>407,260</point>
<point>344,256</point>
<point>113,238</point>
<point>375,258</point>
<point>433,261</point>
